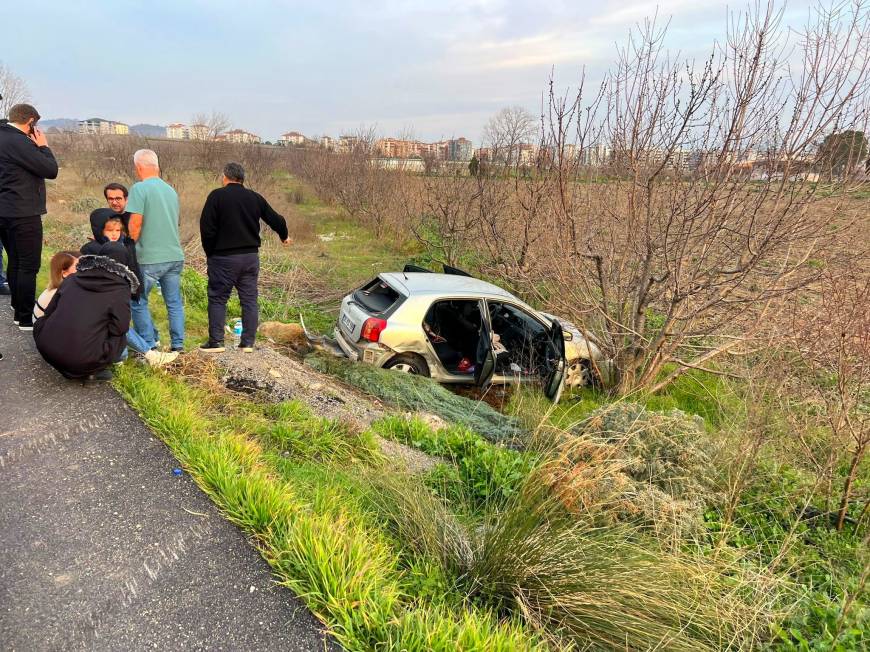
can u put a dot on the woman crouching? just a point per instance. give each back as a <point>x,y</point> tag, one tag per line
<point>84,328</point>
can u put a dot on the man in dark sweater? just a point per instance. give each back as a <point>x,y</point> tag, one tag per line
<point>25,163</point>
<point>230,231</point>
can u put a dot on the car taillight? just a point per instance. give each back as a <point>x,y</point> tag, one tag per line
<point>372,328</point>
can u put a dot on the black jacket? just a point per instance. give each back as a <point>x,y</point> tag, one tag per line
<point>230,221</point>
<point>24,167</point>
<point>85,325</point>
<point>93,247</point>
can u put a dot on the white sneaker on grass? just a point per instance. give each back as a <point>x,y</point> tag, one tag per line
<point>160,358</point>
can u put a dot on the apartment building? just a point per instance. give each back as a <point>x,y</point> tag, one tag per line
<point>291,138</point>
<point>239,136</point>
<point>101,127</point>
<point>459,149</point>
<point>177,131</point>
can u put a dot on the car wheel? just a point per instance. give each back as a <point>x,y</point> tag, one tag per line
<point>580,374</point>
<point>410,364</point>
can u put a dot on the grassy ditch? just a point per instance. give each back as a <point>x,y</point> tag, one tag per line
<point>308,518</point>
<point>393,561</point>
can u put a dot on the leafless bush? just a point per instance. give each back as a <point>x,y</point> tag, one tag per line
<point>445,217</point>
<point>674,253</point>
<point>831,378</point>
<point>370,194</point>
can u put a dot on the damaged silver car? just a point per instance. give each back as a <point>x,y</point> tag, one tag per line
<point>459,329</point>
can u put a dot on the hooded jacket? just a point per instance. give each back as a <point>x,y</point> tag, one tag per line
<point>84,328</point>
<point>98,222</point>
<point>24,167</point>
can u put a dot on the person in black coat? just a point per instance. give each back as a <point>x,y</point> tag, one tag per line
<point>230,231</point>
<point>84,328</point>
<point>25,163</point>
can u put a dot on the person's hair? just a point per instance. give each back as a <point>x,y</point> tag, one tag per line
<point>146,158</point>
<point>21,113</point>
<point>234,172</point>
<point>114,219</point>
<point>114,186</point>
<point>60,262</point>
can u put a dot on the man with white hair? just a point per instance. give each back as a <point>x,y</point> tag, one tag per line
<point>154,221</point>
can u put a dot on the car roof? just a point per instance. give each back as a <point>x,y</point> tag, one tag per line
<point>425,283</point>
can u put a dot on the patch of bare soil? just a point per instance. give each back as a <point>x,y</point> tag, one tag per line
<point>274,377</point>
<point>271,376</point>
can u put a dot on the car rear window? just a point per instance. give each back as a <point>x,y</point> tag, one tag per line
<point>376,296</point>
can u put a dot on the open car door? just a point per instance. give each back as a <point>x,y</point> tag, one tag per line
<point>485,358</point>
<point>554,376</point>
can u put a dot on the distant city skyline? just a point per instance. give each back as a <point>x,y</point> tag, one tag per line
<point>434,72</point>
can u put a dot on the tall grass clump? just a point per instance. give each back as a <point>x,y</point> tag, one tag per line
<point>652,469</point>
<point>576,583</point>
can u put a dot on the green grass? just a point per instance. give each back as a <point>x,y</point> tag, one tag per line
<point>588,587</point>
<point>478,473</point>
<point>823,565</point>
<point>321,547</point>
<point>715,398</point>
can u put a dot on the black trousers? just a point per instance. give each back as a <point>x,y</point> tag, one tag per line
<point>22,240</point>
<point>239,271</point>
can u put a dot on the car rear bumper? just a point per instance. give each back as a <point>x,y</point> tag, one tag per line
<point>349,350</point>
<point>370,352</point>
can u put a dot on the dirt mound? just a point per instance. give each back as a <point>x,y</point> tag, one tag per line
<point>275,377</point>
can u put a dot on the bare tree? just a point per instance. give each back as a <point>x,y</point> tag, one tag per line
<point>446,220</point>
<point>832,336</point>
<point>707,219</point>
<point>507,131</point>
<point>204,131</point>
<point>13,90</point>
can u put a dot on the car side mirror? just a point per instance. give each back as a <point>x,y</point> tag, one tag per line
<point>567,336</point>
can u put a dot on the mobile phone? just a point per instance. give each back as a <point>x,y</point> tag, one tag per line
<point>33,128</point>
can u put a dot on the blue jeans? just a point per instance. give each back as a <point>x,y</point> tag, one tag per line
<point>169,277</point>
<point>136,342</point>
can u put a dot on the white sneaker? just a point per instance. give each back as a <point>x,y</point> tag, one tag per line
<point>160,358</point>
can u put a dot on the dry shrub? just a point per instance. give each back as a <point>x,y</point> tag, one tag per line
<point>648,468</point>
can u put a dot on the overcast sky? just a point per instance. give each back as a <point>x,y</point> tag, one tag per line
<point>437,68</point>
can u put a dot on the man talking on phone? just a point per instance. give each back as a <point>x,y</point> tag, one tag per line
<point>25,163</point>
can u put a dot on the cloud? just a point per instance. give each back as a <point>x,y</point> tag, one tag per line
<point>529,51</point>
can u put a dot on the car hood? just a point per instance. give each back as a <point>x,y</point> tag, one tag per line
<point>581,345</point>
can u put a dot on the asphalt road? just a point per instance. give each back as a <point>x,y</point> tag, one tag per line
<point>102,547</point>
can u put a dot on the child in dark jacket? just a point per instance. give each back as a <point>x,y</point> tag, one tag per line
<point>110,228</point>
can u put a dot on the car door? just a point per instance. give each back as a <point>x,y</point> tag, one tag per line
<point>485,359</point>
<point>555,380</point>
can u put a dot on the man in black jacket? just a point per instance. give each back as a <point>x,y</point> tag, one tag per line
<point>230,231</point>
<point>25,163</point>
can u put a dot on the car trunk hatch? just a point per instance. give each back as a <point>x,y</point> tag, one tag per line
<point>374,299</point>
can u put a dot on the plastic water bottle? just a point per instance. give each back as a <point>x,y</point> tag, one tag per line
<point>237,332</point>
